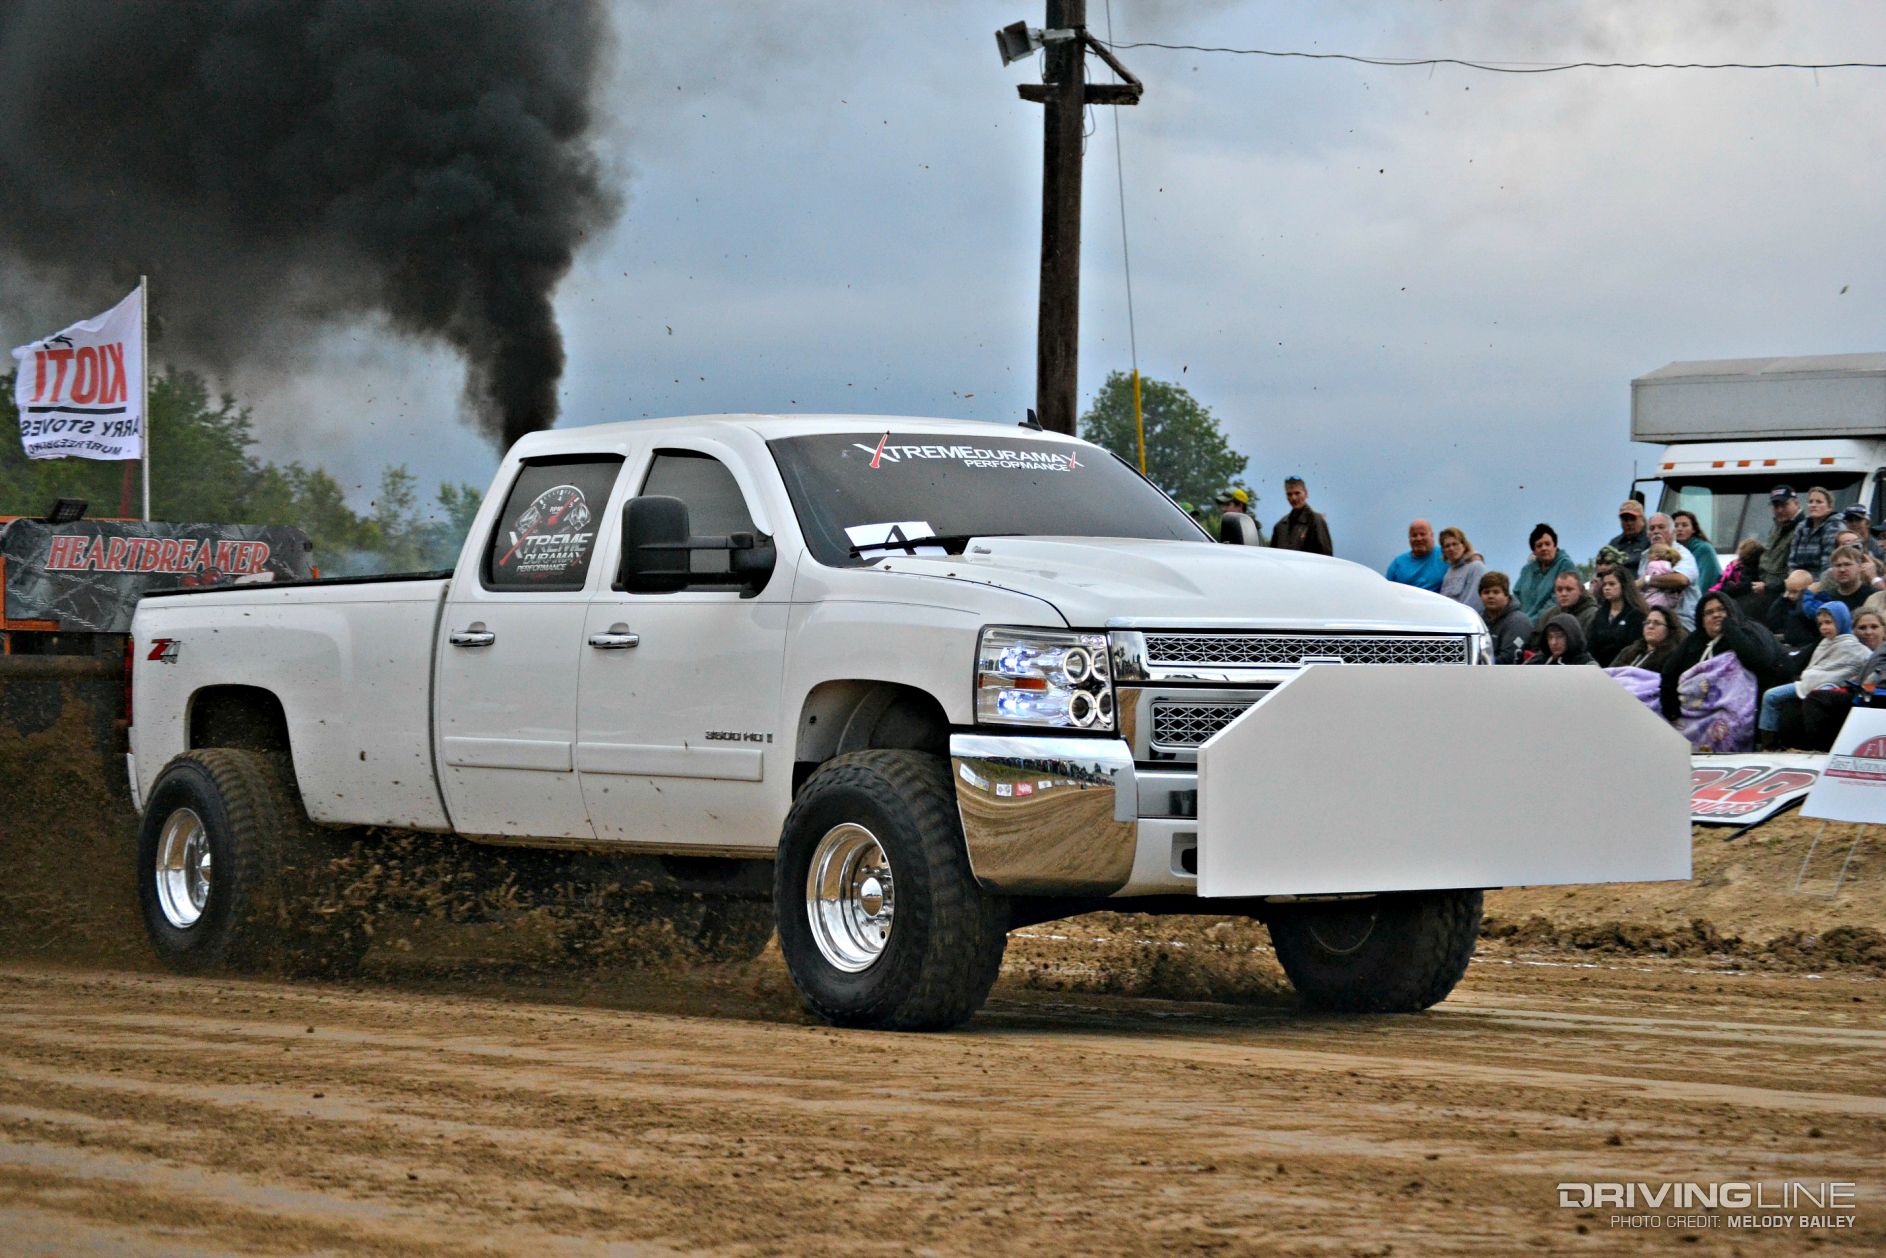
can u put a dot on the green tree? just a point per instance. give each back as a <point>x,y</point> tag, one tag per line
<point>1187,455</point>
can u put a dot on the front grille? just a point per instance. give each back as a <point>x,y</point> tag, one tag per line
<point>1289,650</point>
<point>1180,724</point>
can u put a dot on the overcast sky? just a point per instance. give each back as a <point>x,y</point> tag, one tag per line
<point>1426,291</point>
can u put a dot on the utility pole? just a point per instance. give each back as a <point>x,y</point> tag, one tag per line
<point>1064,95</point>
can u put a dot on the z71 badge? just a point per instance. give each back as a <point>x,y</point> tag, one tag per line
<point>164,650</point>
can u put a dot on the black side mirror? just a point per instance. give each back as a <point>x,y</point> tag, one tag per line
<point>750,559</point>
<point>1237,529</point>
<point>654,545</point>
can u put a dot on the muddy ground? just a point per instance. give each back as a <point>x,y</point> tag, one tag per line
<point>1135,1086</point>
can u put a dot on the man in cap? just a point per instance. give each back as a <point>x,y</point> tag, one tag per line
<point>1787,512</point>
<point>1632,541</point>
<point>1236,523</point>
<point>1856,518</point>
<point>1302,529</point>
<point>1233,501</point>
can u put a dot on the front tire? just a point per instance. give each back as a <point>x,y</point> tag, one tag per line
<point>1385,954</point>
<point>880,919</point>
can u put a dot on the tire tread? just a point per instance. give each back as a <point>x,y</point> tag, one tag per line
<point>967,932</point>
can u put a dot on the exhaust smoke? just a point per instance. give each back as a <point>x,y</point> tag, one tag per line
<point>275,163</point>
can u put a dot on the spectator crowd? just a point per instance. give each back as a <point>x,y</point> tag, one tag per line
<point>1776,646</point>
<point>1772,647</point>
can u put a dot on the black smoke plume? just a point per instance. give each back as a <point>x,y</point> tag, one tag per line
<point>272,161</point>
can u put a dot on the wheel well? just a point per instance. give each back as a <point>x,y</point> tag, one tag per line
<point>843,716</point>
<point>244,717</point>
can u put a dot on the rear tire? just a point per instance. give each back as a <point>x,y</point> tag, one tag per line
<point>1387,954</point>
<point>231,874</point>
<point>880,919</point>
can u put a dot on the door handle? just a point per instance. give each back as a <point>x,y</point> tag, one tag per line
<point>477,635</point>
<point>615,638</point>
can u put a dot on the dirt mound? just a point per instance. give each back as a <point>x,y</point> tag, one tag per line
<point>1227,960</point>
<point>68,837</point>
<point>1742,903</point>
<point>1848,947</point>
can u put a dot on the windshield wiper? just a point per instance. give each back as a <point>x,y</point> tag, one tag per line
<point>935,539</point>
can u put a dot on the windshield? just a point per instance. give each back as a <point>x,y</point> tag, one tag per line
<point>1734,507</point>
<point>860,497</point>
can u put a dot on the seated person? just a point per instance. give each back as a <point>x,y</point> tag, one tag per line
<point>1824,710</point>
<point>1836,660</point>
<point>1508,625</point>
<point>1570,596</point>
<point>1845,580</point>
<point>1793,624</point>
<point>1663,633</point>
<point>1564,642</point>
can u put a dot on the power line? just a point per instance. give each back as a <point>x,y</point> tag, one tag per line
<point>1511,67</point>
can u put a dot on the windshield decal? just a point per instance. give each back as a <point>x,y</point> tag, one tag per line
<point>894,536</point>
<point>974,456</point>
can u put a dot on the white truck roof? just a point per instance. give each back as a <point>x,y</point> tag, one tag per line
<point>578,438</point>
<point>1729,399</point>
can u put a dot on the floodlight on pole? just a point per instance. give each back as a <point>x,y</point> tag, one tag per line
<point>1018,40</point>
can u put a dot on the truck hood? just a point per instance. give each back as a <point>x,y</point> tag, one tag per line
<point>1129,583</point>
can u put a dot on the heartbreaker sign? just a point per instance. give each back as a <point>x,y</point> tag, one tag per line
<point>88,575</point>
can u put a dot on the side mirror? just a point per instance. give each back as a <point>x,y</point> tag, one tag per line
<point>750,559</point>
<point>1237,529</point>
<point>657,544</point>
<point>654,545</point>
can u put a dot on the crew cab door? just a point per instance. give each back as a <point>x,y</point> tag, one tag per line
<point>511,643</point>
<point>679,734</point>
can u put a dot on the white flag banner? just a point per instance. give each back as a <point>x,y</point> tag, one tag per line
<point>81,391</point>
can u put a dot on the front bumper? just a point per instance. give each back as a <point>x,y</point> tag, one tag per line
<point>1340,781</point>
<point>1045,815</point>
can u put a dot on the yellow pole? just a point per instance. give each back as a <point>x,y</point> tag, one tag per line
<point>1139,423</point>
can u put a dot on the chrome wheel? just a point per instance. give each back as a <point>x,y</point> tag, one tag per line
<point>849,897</point>
<point>183,868</point>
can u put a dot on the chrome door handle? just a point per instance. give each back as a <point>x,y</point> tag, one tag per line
<point>615,638</point>
<point>472,637</point>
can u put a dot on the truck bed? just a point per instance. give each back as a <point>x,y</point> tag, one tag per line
<point>351,661</point>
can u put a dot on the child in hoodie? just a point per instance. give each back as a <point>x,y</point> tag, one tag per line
<point>1837,659</point>
<point>1661,561</point>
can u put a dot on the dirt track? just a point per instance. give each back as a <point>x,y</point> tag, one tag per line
<point>1133,1087</point>
<point>147,1114</point>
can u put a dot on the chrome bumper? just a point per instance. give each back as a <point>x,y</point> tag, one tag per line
<point>1045,815</point>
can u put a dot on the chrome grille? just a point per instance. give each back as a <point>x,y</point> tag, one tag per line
<point>1180,724</point>
<point>1289,650</point>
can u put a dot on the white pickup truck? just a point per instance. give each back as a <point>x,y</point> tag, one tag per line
<point>922,681</point>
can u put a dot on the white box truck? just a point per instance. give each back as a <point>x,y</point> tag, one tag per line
<point>1734,428</point>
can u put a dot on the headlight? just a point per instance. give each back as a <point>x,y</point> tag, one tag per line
<point>1040,677</point>
<point>1480,648</point>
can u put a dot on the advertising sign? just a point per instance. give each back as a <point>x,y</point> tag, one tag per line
<point>80,391</point>
<point>1741,790</point>
<point>87,576</point>
<point>1853,785</point>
